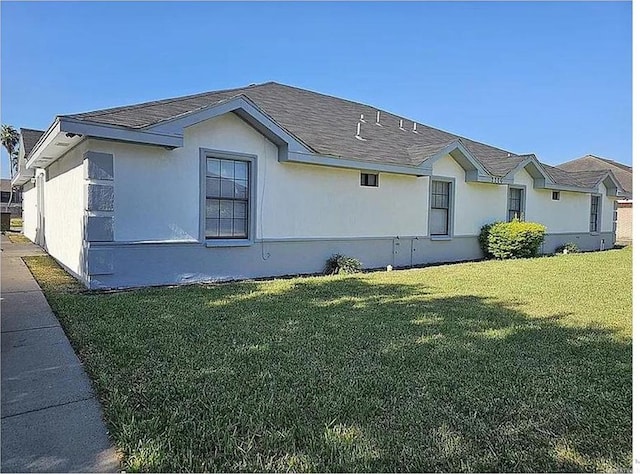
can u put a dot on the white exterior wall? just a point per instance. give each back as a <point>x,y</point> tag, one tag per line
<point>329,202</point>
<point>569,214</point>
<point>64,196</point>
<point>475,204</point>
<point>29,211</point>
<point>608,209</point>
<point>157,191</point>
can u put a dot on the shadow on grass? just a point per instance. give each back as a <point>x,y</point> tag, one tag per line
<point>345,374</point>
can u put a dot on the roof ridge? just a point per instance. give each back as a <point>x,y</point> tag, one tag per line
<point>621,166</point>
<point>608,161</point>
<point>31,130</point>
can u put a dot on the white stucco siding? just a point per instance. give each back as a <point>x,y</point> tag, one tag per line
<point>29,211</point>
<point>608,208</point>
<point>475,204</point>
<point>157,191</point>
<point>314,201</point>
<point>64,203</point>
<point>569,214</point>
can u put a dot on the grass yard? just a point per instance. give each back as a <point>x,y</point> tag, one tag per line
<point>492,366</point>
<point>17,238</point>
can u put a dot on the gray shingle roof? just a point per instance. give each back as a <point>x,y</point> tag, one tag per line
<point>324,123</point>
<point>623,173</point>
<point>327,125</point>
<point>30,137</point>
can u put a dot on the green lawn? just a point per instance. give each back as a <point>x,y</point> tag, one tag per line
<point>17,238</point>
<point>491,366</point>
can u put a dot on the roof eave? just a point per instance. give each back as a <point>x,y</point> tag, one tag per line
<point>68,132</point>
<point>339,162</point>
<point>22,177</point>
<point>474,169</point>
<point>248,111</point>
<point>541,179</point>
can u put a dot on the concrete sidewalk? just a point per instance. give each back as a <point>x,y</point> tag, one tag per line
<point>51,419</point>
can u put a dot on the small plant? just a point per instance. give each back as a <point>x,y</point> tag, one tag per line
<point>515,239</point>
<point>569,247</point>
<point>339,264</point>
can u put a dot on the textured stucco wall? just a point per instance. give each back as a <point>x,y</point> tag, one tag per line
<point>157,193</point>
<point>475,204</point>
<point>29,217</point>
<point>569,214</point>
<point>64,209</point>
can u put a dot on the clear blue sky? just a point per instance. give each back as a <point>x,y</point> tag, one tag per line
<point>549,78</point>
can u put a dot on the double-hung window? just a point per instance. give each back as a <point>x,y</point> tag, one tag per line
<point>440,216</point>
<point>594,217</point>
<point>227,198</point>
<point>516,204</point>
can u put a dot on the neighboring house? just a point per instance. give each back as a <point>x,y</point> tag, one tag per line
<point>272,180</point>
<point>22,181</point>
<point>624,175</point>
<point>5,195</point>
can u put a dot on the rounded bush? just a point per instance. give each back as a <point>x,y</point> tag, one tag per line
<point>339,264</point>
<point>515,239</point>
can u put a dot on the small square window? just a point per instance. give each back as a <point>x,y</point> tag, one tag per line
<point>369,179</point>
<point>556,196</point>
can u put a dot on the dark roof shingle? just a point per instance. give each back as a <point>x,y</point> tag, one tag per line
<point>324,123</point>
<point>327,125</point>
<point>623,173</point>
<point>30,137</point>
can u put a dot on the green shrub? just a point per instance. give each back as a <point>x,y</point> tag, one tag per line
<point>513,239</point>
<point>484,238</point>
<point>570,247</point>
<point>339,264</point>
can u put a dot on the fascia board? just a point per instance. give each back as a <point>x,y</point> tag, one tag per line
<point>119,133</point>
<point>322,160</point>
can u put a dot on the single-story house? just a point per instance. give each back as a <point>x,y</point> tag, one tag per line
<point>623,215</point>
<point>270,180</point>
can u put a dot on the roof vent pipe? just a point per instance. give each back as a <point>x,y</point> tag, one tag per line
<point>358,136</point>
<point>415,127</point>
<point>362,118</point>
<point>378,119</point>
<point>401,124</point>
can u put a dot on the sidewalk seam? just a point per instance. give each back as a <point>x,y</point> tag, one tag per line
<point>30,329</point>
<point>46,408</point>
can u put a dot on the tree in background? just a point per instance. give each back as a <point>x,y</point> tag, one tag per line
<point>11,141</point>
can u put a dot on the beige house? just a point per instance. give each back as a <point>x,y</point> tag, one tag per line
<point>624,175</point>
